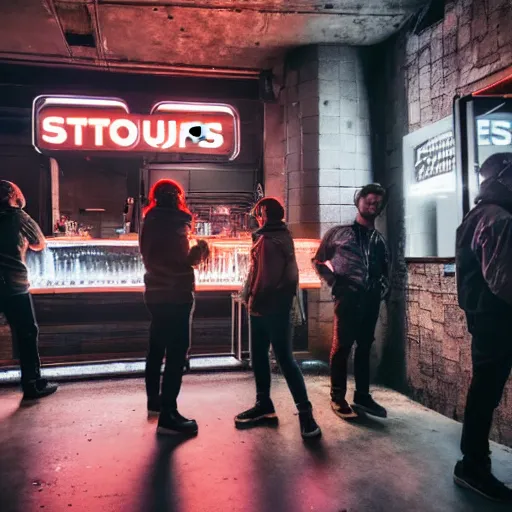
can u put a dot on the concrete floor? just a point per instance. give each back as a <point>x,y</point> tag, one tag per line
<point>90,447</point>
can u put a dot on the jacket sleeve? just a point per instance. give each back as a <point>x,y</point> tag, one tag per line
<point>492,245</point>
<point>192,255</point>
<point>269,268</point>
<point>31,231</point>
<point>321,260</point>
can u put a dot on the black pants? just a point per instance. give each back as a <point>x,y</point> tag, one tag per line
<point>19,312</point>
<point>275,328</point>
<point>492,363</point>
<point>355,318</point>
<point>169,337</point>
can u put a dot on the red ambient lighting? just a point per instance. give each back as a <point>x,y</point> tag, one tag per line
<point>105,124</point>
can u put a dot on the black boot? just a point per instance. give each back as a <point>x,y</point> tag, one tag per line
<point>38,389</point>
<point>479,478</point>
<point>263,413</point>
<point>172,422</point>
<point>309,428</point>
<point>365,403</point>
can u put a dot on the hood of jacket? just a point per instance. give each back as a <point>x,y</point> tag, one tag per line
<point>495,192</point>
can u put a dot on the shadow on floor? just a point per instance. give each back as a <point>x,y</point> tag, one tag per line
<point>160,493</point>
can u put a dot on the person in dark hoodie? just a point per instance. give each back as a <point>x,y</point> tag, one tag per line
<point>169,297</point>
<point>484,285</point>
<point>19,232</point>
<point>353,260</point>
<point>269,292</point>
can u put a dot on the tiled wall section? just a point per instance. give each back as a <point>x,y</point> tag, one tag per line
<point>327,134</point>
<point>439,348</point>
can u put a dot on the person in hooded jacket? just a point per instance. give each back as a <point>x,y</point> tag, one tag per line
<point>353,260</point>
<point>18,233</point>
<point>269,293</point>
<point>484,285</point>
<point>169,297</point>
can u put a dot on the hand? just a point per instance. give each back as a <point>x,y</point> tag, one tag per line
<point>203,247</point>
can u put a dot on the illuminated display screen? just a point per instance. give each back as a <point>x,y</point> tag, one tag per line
<point>106,125</point>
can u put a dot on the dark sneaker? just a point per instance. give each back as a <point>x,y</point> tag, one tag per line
<point>309,428</point>
<point>260,414</point>
<point>367,404</point>
<point>342,409</point>
<point>172,422</point>
<point>482,481</point>
<point>38,389</point>
<point>154,405</point>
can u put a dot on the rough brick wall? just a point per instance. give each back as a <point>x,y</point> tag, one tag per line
<point>426,345</point>
<point>472,42</point>
<point>439,348</point>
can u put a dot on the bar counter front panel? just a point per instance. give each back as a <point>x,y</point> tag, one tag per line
<point>88,299</point>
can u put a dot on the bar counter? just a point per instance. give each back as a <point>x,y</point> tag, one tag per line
<point>89,305</point>
<point>78,265</point>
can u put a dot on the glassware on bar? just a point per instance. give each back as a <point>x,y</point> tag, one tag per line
<point>103,264</point>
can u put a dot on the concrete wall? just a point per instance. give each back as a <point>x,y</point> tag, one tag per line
<point>426,345</point>
<point>328,143</point>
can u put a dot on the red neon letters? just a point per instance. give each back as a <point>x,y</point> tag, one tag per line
<point>90,124</point>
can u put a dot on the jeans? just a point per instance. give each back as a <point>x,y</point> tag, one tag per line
<point>169,337</point>
<point>492,364</point>
<point>19,312</point>
<point>355,318</point>
<point>275,328</point>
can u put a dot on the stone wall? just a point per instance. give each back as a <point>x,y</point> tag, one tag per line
<point>471,43</point>
<point>425,346</point>
<point>439,348</point>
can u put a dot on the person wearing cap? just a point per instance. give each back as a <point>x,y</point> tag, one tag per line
<point>484,284</point>
<point>18,233</point>
<point>353,260</point>
<point>269,292</point>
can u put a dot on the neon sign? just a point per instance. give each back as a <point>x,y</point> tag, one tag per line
<point>492,132</point>
<point>106,125</point>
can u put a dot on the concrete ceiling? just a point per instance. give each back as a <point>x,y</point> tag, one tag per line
<point>159,36</point>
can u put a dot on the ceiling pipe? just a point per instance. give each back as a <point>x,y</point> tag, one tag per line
<point>132,67</point>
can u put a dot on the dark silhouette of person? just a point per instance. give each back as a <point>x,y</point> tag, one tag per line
<point>169,296</point>
<point>18,233</point>
<point>484,285</point>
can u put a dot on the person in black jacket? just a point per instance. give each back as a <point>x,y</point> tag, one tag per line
<point>269,292</point>
<point>353,260</point>
<point>484,284</point>
<point>19,232</point>
<point>169,297</point>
